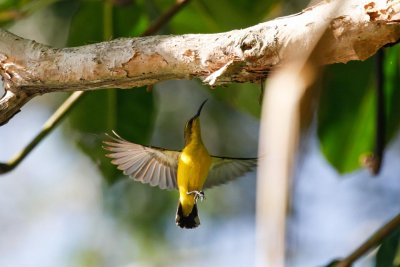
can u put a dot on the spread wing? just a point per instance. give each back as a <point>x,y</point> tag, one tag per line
<point>224,169</point>
<point>148,165</point>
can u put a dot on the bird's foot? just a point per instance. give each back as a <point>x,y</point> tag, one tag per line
<point>197,195</point>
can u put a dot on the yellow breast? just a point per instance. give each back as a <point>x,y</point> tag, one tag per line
<point>194,163</point>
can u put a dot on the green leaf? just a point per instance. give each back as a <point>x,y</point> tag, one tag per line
<point>87,24</point>
<point>392,90</point>
<point>346,115</point>
<point>130,20</point>
<point>388,254</point>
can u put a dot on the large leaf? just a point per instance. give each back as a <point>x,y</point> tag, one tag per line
<point>87,24</point>
<point>389,252</point>
<point>392,91</point>
<point>346,116</point>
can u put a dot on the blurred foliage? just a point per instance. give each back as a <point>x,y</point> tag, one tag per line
<point>208,16</point>
<point>146,211</point>
<point>12,10</point>
<point>388,254</point>
<point>346,115</point>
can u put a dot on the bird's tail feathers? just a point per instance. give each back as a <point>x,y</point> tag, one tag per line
<point>190,221</point>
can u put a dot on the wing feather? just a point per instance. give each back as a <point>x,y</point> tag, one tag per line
<point>133,169</point>
<point>168,176</point>
<point>141,173</point>
<point>148,174</point>
<point>155,181</point>
<point>224,169</point>
<point>173,182</point>
<point>150,165</point>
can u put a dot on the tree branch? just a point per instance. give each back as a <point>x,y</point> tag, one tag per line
<point>355,32</point>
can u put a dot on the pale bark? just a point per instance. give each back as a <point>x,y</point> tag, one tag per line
<point>355,32</point>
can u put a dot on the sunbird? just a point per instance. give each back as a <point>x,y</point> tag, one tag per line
<point>190,170</point>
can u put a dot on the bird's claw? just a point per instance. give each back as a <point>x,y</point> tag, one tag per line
<point>197,195</point>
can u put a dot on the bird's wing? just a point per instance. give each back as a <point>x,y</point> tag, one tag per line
<point>224,169</point>
<point>149,165</point>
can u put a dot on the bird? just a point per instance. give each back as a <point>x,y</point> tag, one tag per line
<point>190,170</point>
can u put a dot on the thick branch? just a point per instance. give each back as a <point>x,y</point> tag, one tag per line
<point>355,32</point>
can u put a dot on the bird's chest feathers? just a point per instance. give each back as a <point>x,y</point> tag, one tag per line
<point>193,166</point>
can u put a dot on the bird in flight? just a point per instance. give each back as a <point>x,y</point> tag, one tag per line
<point>190,170</point>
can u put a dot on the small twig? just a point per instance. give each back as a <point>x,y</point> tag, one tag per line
<point>49,125</point>
<point>375,240</point>
<point>68,104</point>
<point>164,18</point>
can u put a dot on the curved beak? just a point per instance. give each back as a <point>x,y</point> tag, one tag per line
<point>200,108</point>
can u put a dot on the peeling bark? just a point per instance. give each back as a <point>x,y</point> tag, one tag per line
<point>355,32</point>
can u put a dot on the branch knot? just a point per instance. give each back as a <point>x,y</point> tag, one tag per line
<point>251,45</point>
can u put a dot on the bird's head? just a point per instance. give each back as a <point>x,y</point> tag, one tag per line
<point>193,125</point>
